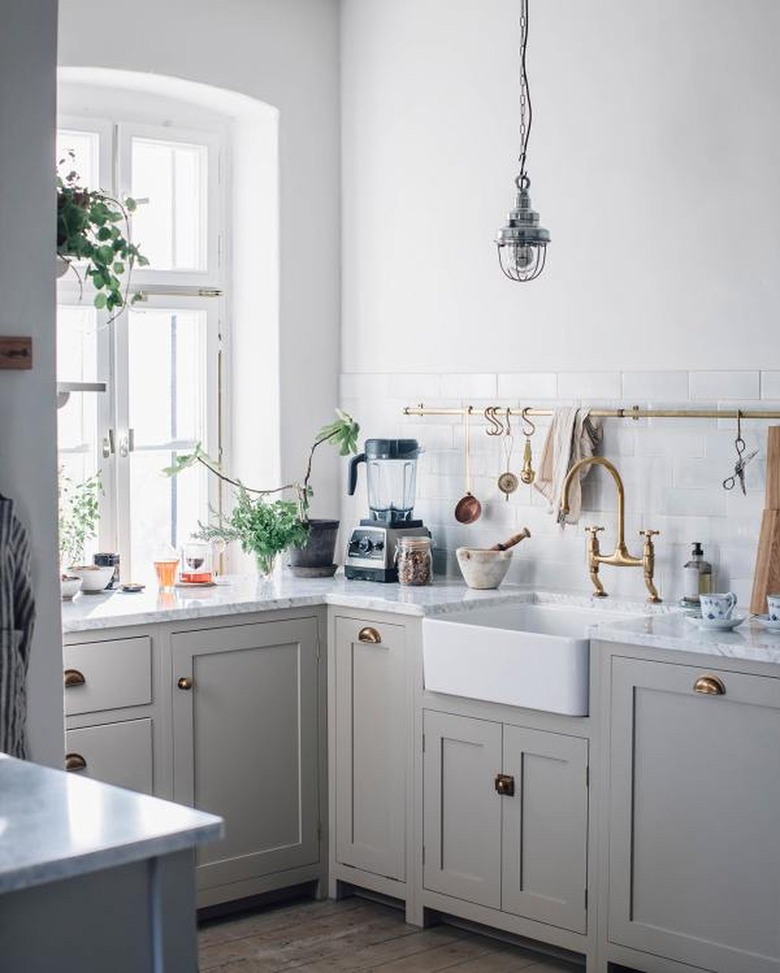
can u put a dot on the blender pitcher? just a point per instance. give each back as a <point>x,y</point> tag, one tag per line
<point>391,477</point>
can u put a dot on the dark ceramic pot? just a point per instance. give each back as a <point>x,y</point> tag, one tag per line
<point>316,558</point>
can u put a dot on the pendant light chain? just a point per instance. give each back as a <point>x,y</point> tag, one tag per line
<point>526,110</point>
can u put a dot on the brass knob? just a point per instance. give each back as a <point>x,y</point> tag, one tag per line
<point>709,686</point>
<point>74,678</point>
<point>74,762</point>
<point>593,530</point>
<point>369,634</point>
<point>505,785</point>
<point>184,683</point>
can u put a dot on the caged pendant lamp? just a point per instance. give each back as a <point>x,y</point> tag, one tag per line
<point>522,242</point>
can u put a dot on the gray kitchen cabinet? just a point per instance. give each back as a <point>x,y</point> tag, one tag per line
<point>505,818</point>
<point>113,728</point>
<point>370,717</point>
<point>246,738</point>
<point>694,816</point>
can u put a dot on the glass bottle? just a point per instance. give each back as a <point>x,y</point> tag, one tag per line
<point>697,576</point>
<point>414,559</point>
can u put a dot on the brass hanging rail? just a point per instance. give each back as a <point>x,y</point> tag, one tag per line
<point>633,412</point>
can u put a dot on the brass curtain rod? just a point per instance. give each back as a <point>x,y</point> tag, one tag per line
<point>633,412</point>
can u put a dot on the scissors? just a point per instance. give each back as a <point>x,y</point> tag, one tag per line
<point>739,472</point>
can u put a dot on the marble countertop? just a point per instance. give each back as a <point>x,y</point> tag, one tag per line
<point>677,632</point>
<point>56,825</point>
<point>659,626</point>
<point>240,595</point>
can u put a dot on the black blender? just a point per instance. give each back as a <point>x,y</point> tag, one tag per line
<point>391,476</point>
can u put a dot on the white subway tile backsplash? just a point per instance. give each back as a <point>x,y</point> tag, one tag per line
<point>770,386</point>
<point>527,387</point>
<point>470,386</point>
<point>673,469</point>
<point>589,385</point>
<point>716,386</point>
<point>642,386</point>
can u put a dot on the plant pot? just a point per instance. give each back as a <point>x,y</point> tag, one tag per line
<point>316,558</point>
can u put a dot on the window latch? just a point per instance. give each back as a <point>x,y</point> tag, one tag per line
<point>109,444</point>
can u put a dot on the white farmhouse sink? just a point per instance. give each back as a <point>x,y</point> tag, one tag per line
<point>535,656</point>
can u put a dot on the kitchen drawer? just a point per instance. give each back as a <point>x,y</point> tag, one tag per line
<point>108,675</point>
<point>116,753</point>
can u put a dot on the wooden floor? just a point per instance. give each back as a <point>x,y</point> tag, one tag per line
<point>350,936</point>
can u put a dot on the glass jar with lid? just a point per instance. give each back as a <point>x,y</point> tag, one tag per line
<point>414,559</point>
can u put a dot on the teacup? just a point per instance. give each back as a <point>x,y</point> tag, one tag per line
<point>773,607</point>
<point>719,605</point>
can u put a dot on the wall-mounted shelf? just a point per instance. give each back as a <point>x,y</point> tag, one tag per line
<point>65,388</point>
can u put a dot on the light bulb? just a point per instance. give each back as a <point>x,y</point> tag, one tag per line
<point>523,257</point>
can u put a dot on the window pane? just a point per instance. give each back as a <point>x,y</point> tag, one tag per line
<point>167,366</point>
<point>170,181</point>
<point>168,369</point>
<point>77,421</point>
<point>84,146</point>
<point>162,510</point>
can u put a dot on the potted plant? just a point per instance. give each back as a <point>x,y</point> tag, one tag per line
<point>267,528</point>
<point>95,227</point>
<point>78,519</point>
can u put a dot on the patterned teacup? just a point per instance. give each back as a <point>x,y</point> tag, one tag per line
<point>720,605</point>
<point>773,607</point>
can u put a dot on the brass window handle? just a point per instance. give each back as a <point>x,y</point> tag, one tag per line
<point>75,762</point>
<point>369,634</point>
<point>709,686</point>
<point>74,678</point>
<point>184,682</point>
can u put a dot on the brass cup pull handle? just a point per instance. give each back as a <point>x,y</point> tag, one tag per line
<point>369,634</point>
<point>184,683</point>
<point>75,762</point>
<point>709,686</point>
<point>74,678</point>
<point>505,785</point>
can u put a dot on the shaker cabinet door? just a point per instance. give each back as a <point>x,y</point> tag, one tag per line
<point>545,827</point>
<point>245,728</point>
<point>694,846</point>
<point>371,734</point>
<point>461,808</point>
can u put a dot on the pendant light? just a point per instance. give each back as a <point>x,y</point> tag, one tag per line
<point>522,243</point>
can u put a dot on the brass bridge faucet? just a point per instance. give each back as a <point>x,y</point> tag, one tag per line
<point>620,557</point>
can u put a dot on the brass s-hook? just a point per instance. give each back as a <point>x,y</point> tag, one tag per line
<point>496,426</point>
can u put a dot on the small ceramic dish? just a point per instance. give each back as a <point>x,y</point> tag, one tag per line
<point>131,587</point>
<point>717,624</point>
<point>765,622</point>
<point>69,586</point>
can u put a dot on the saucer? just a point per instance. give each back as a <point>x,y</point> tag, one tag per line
<point>717,624</point>
<point>764,622</point>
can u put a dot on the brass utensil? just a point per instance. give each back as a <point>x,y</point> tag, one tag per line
<point>468,508</point>
<point>528,473</point>
<point>508,482</point>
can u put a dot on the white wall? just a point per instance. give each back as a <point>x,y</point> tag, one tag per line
<point>653,158</point>
<point>28,464</point>
<point>286,55</point>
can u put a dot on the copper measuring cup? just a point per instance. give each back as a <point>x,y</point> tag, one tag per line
<point>468,508</point>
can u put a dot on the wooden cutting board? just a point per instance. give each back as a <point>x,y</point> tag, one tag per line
<point>766,580</point>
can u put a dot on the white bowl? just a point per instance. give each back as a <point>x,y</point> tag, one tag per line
<point>482,568</point>
<point>69,586</point>
<point>94,578</point>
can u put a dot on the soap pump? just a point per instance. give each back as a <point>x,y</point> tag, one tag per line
<point>697,575</point>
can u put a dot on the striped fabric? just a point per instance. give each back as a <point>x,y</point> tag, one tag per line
<point>17,616</point>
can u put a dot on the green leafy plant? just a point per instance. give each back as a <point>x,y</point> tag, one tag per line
<point>78,515</point>
<point>95,227</point>
<point>263,528</point>
<point>259,525</point>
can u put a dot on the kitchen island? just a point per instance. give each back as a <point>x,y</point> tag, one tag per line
<point>93,877</point>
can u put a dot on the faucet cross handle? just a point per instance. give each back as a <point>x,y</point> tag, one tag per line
<point>648,533</point>
<point>593,530</point>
